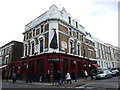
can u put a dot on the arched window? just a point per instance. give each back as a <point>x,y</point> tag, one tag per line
<point>78,49</point>
<point>32,45</point>
<point>42,30</point>
<point>71,46</point>
<point>25,49</point>
<point>41,45</point>
<point>69,20</point>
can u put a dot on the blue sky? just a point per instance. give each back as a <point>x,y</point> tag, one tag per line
<point>99,17</point>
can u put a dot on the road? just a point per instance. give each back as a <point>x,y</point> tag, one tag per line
<point>111,83</point>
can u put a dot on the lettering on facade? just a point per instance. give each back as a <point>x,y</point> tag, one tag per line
<point>55,59</point>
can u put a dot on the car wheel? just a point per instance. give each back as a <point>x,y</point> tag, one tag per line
<point>106,77</point>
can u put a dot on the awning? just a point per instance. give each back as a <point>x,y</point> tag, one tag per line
<point>96,65</point>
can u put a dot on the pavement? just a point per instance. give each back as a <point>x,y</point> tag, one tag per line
<point>80,82</point>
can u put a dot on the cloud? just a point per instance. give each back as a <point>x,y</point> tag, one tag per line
<point>94,15</point>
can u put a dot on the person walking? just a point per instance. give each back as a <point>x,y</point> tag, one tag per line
<point>86,74</point>
<point>74,76</point>
<point>6,76</point>
<point>68,78</point>
<point>91,74</point>
<point>59,78</point>
<point>29,78</point>
<point>14,77</point>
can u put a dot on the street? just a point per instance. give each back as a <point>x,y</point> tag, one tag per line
<point>111,83</point>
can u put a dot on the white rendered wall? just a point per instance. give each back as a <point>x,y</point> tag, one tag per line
<point>53,24</point>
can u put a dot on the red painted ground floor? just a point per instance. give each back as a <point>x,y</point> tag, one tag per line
<point>46,65</point>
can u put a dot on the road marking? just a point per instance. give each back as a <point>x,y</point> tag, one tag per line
<point>83,86</point>
<point>88,84</point>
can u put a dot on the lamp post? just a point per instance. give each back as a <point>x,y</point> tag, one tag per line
<point>89,68</point>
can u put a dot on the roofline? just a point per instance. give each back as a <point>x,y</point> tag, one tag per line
<point>48,19</point>
<point>11,42</point>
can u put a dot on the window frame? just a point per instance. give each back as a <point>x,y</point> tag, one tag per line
<point>41,28</point>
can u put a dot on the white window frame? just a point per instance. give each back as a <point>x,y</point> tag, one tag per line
<point>40,28</point>
<point>32,41</point>
<point>39,44</point>
<point>70,29</point>
<point>25,47</point>
<point>6,59</point>
<point>71,39</point>
<point>34,32</point>
<point>78,43</point>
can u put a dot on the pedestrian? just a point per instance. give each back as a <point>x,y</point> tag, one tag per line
<point>68,78</point>
<point>6,76</point>
<point>29,78</point>
<point>14,77</point>
<point>92,73</point>
<point>63,79</point>
<point>74,76</point>
<point>40,79</point>
<point>86,74</point>
<point>59,78</point>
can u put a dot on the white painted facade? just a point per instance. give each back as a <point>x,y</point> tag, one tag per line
<point>52,16</point>
<point>105,56</point>
<point>53,13</point>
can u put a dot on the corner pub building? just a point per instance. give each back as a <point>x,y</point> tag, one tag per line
<point>55,42</point>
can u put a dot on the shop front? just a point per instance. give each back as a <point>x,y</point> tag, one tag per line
<point>44,67</point>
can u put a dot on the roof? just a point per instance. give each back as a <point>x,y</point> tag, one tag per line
<point>13,41</point>
<point>99,41</point>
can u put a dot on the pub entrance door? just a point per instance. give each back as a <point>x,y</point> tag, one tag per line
<point>53,70</point>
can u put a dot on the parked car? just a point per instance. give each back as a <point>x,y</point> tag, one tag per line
<point>104,74</point>
<point>115,72</point>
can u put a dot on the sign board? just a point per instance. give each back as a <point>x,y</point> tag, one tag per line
<point>64,45</point>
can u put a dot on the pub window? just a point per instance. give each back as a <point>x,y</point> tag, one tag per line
<point>71,46</point>
<point>83,53</point>
<point>30,34</point>
<point>90,54</point>
<point>82,37</point>
<point>24,38</point>
<point>25,49</point>
<point>41,45</point>
<point>37,31</point>
<point>7,50</point>
<point>69,20</point>
<point>41,28</point>
<point>76,24</point>
<point>79,67</point>
<point>6,62</point>
<point>70,31</point>
<point>27,35</point>
<point>89,42</point>
<point>32,48</point>
<point>77,35</point>
<point>41,66</point>
<point>33,32</point>
<point>78,49</point>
